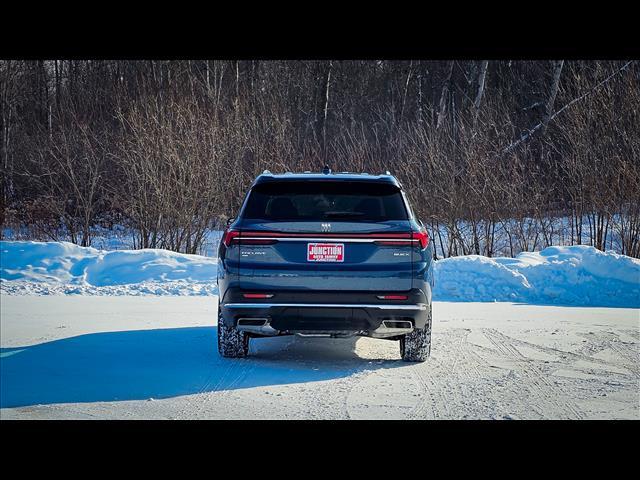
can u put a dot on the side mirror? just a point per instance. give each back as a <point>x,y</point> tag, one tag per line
<point>230,221</point>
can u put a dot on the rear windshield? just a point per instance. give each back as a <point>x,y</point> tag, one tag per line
<point>352,201</point>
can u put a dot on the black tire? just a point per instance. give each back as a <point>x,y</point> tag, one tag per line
<point>416,346</point>
<point>232,343</point>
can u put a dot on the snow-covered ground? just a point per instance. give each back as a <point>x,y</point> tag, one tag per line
<point>44,268</point>
<point>577,275</point>
<point>90,357</point>
<point>88,333</point>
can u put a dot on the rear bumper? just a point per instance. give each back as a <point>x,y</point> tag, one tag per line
<point>336,318</point>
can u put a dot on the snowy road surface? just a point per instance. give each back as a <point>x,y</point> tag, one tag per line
<point>155,357</point>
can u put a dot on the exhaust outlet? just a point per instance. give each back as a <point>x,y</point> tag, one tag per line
<point>252,322</point>
<point>397,324</point>
<point>392,328</point>
<point>260,326</point>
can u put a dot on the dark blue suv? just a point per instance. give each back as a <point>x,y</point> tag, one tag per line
<point>324,254</point>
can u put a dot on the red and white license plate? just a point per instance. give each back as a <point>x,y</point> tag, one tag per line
<point>325,252</point>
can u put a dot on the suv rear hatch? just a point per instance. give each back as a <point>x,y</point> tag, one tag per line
<point>324,235</point>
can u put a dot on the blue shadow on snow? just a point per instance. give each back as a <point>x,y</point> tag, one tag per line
<point>143,364</point>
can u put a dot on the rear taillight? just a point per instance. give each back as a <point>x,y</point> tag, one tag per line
<point>392,297</point>
<point>256,241</point>
<point>234,237</point>
<point>229,237</point>
<point>422,236</point>
<point>257,295</point>
<point>416,238</point>
<point>395,243</point>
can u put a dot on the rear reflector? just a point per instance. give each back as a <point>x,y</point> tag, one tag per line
<point>257,295</point>
<point>392,297</point>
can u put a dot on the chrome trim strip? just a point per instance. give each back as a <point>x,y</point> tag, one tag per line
<point>417,306</point>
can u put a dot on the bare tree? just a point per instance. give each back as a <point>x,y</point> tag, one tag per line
<point>168,148</point>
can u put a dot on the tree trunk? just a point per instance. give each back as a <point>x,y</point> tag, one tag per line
<point>406,88</point>
<point>237,99</point>
<point>553,91</point>
<point>481,79</point>
<point>419,106</point>
<point>321,121</point>
<point>443,96</point>
<point>326,103</point>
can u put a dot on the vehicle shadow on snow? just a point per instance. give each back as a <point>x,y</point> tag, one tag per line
<point>143,364</point>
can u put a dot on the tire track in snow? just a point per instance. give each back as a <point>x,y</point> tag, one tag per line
<point>465,377</point>
<point>233,373</point>
<point>575,356</point>
<point>630,352</point>
<point>237,372</point>
<point>633,333</point>
<point>435,378</point>
<point>541,388</point>
<point>429,391</point>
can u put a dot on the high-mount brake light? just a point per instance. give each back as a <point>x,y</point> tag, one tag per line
<point>392,297</point>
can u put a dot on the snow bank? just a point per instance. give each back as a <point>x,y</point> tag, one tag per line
<point>44,268</point>
<point>578,275</point>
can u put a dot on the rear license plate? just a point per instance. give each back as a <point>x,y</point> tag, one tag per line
<point>325,252</point>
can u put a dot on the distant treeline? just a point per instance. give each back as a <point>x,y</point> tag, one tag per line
<point>168,148</point>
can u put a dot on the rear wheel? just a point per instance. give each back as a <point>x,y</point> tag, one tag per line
<point>416,346</point>
<point>232,343</point>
